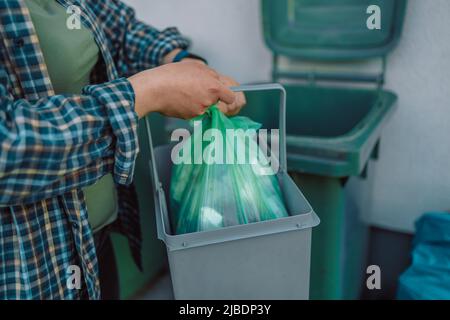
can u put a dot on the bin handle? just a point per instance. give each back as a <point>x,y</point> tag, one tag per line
<point>157,188</point>
<point>282,113</point>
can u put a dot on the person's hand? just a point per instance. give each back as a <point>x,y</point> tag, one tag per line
<point>240,101</point>
<point>231,109</point>
<point>183,90</point>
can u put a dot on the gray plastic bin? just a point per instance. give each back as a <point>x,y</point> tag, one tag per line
<point>264,260</point>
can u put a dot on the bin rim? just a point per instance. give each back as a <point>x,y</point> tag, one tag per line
<point>239,232</point>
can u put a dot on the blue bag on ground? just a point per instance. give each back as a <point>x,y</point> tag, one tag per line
<point>428,277</point>
<point>207,195</point>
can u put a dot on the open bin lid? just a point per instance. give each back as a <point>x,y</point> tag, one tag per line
<point>331,29</point>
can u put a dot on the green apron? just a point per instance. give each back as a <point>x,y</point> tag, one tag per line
<point>70,56</point>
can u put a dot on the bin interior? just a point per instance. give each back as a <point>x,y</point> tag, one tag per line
<point>331,131</point>
<point>294,200</point>
<point>313,111</point>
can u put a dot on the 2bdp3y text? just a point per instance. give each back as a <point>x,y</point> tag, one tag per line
<point>225,310</point>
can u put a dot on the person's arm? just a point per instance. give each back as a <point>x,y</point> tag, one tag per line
<point>60,143</point>
<point>136,46</point>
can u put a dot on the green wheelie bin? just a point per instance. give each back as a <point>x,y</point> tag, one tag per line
<point>336,111</point>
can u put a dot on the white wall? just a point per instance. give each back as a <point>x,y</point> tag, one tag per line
<point>413,173</point>
<point>226,32</point>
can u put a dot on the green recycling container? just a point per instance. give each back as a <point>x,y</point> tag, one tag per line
<point>332,134</point>
<point>154,257</point>
<point>334,125</point>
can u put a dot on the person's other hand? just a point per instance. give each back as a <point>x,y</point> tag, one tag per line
<point>231,109</point>
<point>183,90</point>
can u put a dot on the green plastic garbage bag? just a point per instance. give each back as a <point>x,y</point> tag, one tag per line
<point>209,191</point>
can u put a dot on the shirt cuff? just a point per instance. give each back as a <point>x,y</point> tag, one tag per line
<point>117,97</point>
<point>169,39</point>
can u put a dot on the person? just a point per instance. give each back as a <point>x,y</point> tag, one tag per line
<point>71,94</point>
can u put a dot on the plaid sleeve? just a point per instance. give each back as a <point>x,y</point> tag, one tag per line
<point>136,46</point>
<point>117,97</point>
<point>60,143</point>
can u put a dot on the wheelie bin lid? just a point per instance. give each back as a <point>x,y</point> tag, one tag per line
<point>332,30</point>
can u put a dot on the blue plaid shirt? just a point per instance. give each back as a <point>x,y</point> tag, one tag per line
<point>51,145</point>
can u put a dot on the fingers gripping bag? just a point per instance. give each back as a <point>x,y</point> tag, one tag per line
<point>218,177</point>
